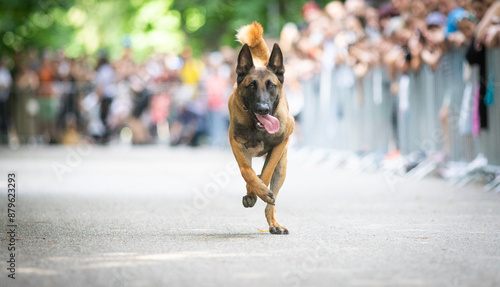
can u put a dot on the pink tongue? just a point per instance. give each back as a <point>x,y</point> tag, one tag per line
<point>271,124</point>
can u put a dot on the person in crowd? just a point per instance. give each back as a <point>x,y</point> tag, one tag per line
<point>433,39</point>
<point>47,104</point>
<point>479,8</point>
<point>418,12</point>
<point>431,5</point>
<point>70,119</point>
<point>372,27</point>
<point>25,105</point>
<point>311,11</point>
<point>125,66</point>
<point>466,25</point>
<point>186,121</point>
<point>105,89</point>
<point>402,7</point>
<point>126,69</point>
<point>141,103</point>
<point>453,12</point>
<point>216,86</point>
<point>476,57</point>
<point>356,7</point>
<point>385,13</point>
<point>488,30</point>
<point>5,85</point>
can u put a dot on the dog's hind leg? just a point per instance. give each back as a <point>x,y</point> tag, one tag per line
<point>276,182</point>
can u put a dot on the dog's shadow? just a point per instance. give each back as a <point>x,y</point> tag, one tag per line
<point>224,236</point>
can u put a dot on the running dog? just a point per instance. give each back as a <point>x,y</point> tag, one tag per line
<point>260,123</point>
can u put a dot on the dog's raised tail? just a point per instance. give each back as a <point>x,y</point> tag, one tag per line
<point>252,36</point>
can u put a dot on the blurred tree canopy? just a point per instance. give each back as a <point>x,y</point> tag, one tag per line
<point>84,26</point>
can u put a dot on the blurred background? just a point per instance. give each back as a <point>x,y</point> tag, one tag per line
<point>407,85</point>
<point>114,119</point>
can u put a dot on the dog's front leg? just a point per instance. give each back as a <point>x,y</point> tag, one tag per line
<point>255,186</point>
<point>272,160</point>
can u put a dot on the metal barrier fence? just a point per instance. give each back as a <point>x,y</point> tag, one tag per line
<point>353,115</point>
<point>489,141</point>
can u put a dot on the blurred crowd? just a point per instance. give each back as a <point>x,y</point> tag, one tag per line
<point>345,42</point>
<point>400,35</point>
<point>180,99</point>
<point>173,99</point>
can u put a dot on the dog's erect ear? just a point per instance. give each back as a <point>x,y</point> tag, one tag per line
<point>276,63</point>
<point>245,63</point>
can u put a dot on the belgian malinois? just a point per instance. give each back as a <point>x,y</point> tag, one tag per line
<point>260,124</point>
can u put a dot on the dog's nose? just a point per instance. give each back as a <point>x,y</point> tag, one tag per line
<point>262,109</point>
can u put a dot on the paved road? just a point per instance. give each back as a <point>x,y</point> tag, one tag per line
<point>154,216</point>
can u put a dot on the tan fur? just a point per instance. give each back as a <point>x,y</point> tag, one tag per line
<point>252,35</point>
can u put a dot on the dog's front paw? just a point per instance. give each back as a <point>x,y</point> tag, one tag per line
<point>262,192</point>
<point>269,198</point>
<point>278,230</point>
<point>249,200</point>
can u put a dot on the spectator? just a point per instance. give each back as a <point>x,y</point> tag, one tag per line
<point>431,5</point>
<point>488,30</point>
<point>386,12</point>
<point>310,11</point>
<point>47,113</point>
<point>25,105</point>
<point>70,102</point>
<point>453,12</point>
<point>5,84</point>
<point>479,9</point>
<point>216,85</point>
<point>418,12</point>
<point>402,7</point>
<point>105,90</point>
<point>433,37</point>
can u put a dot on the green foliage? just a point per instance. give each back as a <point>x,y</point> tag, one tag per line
<point>223,17</point>
<point>85,26</point>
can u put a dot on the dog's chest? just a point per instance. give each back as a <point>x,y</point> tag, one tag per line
<point>256,149</point>
<point>257,143</point>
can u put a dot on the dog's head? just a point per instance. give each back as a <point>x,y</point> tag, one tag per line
<point>260,87</point>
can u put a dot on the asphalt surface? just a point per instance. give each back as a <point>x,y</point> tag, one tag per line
<point>151,216</point>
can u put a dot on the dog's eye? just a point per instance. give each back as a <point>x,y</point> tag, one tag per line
<point>270,85</point>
